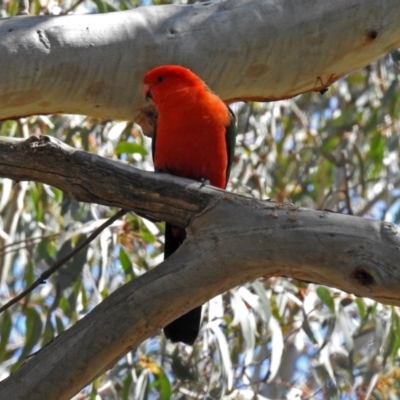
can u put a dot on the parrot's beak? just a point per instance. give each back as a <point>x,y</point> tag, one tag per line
<point>146,92</point>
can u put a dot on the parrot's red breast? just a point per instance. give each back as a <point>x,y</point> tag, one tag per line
<point>191,126</point>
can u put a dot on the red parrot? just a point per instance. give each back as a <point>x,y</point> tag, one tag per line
<point>194,138</point>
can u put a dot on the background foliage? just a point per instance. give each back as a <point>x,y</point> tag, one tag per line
<point>275,338</point>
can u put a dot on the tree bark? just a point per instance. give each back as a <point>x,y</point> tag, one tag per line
<point>243,49</point>
<point>231,239</point>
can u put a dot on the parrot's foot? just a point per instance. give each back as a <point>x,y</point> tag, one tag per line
<point>204,182</point>
<point>161,170</point>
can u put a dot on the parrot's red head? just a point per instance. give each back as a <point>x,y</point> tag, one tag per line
<point>167,80</point>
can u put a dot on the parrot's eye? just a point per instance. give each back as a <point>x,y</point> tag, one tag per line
<point>160,78</point>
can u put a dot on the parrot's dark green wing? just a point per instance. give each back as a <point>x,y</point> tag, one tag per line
<point>231,132</point>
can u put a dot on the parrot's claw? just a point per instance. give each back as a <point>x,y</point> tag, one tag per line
<point>204,182</point>
<point>161,170</point>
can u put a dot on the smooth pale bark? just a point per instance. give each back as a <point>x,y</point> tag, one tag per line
<point>231,239</point>
<point>243,49</point>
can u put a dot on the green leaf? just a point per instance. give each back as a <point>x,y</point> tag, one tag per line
<point>130,148</point>
<point>307,328</point>
<point>84,298</point>
<point>5,329</point>
<point>125,262</point>
<point>104,6</point>
<point>376,153</point>
<point>161,382</point>
<point>361,308</point>
<point>326,297</point>
<point>33,327</point>
<point>48,334</point>
<point>126,387</point>
<point>147,236</point>
<point>46,249</point>
<point>60,325</point>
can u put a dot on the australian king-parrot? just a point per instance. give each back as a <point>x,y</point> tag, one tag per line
<point>194,138</point>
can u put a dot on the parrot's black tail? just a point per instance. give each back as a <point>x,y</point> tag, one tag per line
<point>186,328</point>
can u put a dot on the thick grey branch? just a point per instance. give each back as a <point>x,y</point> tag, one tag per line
<point>231,240</point>
<point>90,178</point>
<point>244,49</point>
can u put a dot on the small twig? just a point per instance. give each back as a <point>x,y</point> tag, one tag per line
<point>346,183</point>
<point>46,274</point>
